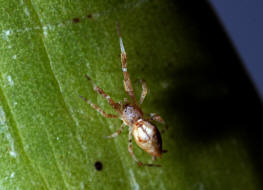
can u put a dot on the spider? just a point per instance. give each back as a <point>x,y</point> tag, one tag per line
<point>145,133</point>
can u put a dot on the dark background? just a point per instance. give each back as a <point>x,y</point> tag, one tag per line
<point>243,22</point>
<point>239,112</point>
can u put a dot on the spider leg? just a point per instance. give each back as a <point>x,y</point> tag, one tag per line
<point>158,118</point>
<point>144,91</point>
<point>127,81</point>
<point>130,148</point>
<point>117,132</point>
<point>113,104</point>
<point>98,109</point>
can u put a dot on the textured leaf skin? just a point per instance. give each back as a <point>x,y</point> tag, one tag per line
<point>50,138</point>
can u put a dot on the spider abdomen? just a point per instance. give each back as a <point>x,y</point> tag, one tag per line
<point>147,137</point>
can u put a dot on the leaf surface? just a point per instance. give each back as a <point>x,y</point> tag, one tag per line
<point>51,139</point>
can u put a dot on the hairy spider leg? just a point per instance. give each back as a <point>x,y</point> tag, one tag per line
<point>144,91</point>
<point>117,132</point>
<point>158,118</point>
<point>98,109</point>
<point>127,81</point>
<point>113,104</point>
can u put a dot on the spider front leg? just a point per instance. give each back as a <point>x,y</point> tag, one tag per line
<point>127,81</point>
<point>98,109</point>
<point>113,104</point>
<point>117,132</point>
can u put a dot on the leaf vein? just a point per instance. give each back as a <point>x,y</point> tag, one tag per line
<point>19,137</point>
<point>48,135</point>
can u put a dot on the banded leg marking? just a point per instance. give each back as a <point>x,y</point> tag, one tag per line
<point>113,104</point>
<point>98,109</point>
<point>127,82</point>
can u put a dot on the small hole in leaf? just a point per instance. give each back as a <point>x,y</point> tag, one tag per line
<point>98,165</point>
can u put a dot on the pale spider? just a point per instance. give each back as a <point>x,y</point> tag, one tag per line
<point>145,133</point>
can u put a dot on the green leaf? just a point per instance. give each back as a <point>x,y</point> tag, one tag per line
<point>51,139</point>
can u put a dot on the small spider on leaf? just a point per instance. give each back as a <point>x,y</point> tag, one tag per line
<point>145,133</point>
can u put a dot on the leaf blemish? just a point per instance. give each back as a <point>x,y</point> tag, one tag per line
<point>89,15</point>
<point>76,20</point>
<point>98,165</point>
<point>10,81</point>
<point>6,34</point>
<point>12,175</point>
<point>45,28</point>
<point>4,129</point>
<point>26,12</point>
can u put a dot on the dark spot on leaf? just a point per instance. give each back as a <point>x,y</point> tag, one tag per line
<point>76,20</point>
<point>89,15</point>
<point>98,165</point>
